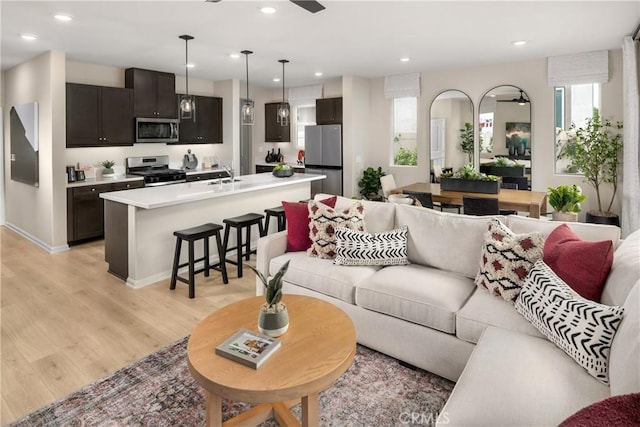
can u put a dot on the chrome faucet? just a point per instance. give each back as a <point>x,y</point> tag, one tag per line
<point>229,171</point>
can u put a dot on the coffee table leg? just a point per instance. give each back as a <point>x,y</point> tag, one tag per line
<point>213,410</point>
<point>310,410</point>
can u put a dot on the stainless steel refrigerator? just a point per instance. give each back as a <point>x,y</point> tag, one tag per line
<point>323,155</point>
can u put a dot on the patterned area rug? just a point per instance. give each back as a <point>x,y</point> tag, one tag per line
<point>159,391</point>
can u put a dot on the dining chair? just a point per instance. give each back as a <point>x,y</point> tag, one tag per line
<point>388,183</point>
<point>480,206</point>
<point>425,199</point>
<point>521,181</point>
<point>509,185</point>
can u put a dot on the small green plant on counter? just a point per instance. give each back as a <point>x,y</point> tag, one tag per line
<point>370,182</point>
<point>468,172</point>
<point>566,198</point>
<point>108,164</point>
<point>406,157</point>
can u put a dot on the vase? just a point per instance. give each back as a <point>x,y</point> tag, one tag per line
<point>521,149</point>
<point>273,324</point>
<point>565,216</point>
<point>597,217</point>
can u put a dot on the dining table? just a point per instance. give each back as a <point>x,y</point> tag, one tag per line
<point>534,202</point>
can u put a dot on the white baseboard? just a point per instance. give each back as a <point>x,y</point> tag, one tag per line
<point>35,240</point>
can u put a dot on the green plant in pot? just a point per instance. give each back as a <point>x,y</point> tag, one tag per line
<point>565,200</point>
<point>466,140</point>
<point>369,184</point>
<point>595,152</point>
<point>108,167</point>
<point>273,319</point>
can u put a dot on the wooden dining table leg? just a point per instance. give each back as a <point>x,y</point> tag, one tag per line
<point>310,410</point>
<point>213,416</point>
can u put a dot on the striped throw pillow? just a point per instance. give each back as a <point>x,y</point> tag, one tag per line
<point>360,248</point>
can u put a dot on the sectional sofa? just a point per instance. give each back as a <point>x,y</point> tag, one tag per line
<point>430,314</point>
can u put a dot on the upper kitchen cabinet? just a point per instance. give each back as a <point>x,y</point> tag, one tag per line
<point>273,132</point>
<point>329,111</point>
<point>98,116</point>
<point>207,128</point>
<point>154,93</point>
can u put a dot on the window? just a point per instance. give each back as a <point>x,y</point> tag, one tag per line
<point>305,116</point>
<point>573,106</point>
<point>405,124</point>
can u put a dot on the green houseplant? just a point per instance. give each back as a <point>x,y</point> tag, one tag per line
<point>470,180</point>
<point>273,318</point>
<point>502,166</point>
<point>370,183</point>
<point>595,151</point>
<point>565,200</point>
<point>466,140</point>
<point>108,167</point>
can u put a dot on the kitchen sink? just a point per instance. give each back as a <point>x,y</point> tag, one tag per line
<point>223,181</point>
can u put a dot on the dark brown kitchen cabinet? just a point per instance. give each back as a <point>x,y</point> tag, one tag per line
<point>98,116</point>
<point>329,111</point>
<point>85,209</point>
<point>273,131</point>
<point>154,93</point>
<point>207,128</point>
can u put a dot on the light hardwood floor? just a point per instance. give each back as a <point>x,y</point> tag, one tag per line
<point>66,322</point>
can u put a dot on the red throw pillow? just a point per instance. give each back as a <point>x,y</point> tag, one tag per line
<point>297,214</point>
<point>582,264</point>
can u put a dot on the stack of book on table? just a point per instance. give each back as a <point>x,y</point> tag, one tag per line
<point>249,348</point>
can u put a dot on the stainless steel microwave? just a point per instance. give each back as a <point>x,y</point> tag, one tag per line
<point>157,130</point>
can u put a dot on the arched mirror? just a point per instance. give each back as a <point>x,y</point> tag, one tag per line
<point>451,142</point>
<point>504,118</point>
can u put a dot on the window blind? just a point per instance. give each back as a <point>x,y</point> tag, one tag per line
<point>305,95</point>
<point>588,67</point>
<point>402,86</point>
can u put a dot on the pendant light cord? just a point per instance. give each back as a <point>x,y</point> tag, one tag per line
<point>246,57</point>
<point>283,81</point>
<point>186,63</point>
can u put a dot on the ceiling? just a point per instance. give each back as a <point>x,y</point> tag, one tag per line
<point>361,38</point>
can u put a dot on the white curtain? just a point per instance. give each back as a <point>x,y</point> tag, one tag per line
<point>630,217</point>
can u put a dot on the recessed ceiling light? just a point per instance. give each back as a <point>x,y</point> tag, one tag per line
<point>519,42</point>
<point>29,37</point>
<point>234,55</point>
<point>62,17</point>
<point>405,59</point>
<point>492,95</point>
<point>276,79</point>
<point>267,10</point>
<point>317,74</point>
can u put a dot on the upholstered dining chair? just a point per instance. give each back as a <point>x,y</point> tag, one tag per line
<point>388,183</point>
<point>480,206</point>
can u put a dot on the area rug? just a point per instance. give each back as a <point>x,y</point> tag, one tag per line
<point>159,391</point>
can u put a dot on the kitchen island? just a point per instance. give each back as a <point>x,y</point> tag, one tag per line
<point>139,223</point>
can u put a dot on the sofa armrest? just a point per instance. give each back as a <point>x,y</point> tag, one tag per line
<point>269,246</point>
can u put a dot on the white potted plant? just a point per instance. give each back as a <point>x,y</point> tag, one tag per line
<point>565,200</point>
<point>273,319</point>
<point>108,168</point>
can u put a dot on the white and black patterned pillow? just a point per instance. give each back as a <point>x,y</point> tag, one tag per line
<point>582,328</point>
<point>324,221</point>
<point>360,248</point>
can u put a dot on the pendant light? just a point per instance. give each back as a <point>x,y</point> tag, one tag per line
<point>283,108</point>
<point>187,103</point>
<point>248,110</point>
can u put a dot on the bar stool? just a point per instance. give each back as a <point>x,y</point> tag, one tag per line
<point>191,235</point>
<point>239,223</point>
<point>278,213</point>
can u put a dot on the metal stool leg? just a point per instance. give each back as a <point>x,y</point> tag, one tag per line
<point>223,263</point>
<point>176,261</point>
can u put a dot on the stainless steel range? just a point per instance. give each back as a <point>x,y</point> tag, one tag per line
<point>155,170</point>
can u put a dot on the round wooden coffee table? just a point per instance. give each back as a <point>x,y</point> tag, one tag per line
<point>318,347</point>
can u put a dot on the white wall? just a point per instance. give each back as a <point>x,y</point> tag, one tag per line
<point>39,212</point>
<point>531,76</point>
<point>356,131</point>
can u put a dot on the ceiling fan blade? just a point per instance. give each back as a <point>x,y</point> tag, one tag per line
<point>310,5</point>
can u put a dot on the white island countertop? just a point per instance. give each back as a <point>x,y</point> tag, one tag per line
<point>176,194</point>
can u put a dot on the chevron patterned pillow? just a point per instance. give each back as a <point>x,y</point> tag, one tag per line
<point>360,248</point>
<point>582,328</point>
<point>324,223</point>
<point>506,259</point>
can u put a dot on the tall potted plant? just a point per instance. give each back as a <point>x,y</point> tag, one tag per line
<point>370,183</point>
<point>595,152</point>
<point>466,140</point>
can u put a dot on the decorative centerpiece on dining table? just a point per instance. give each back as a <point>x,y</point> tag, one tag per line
<point>273,318</point>
<point>469,180</point>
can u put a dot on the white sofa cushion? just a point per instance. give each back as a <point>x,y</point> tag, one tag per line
<point>419,294</point>
<point>514,379</point>
<point>378,216</point>
<point>447,241</point>
<point>625,271</point>
<point>593,232</point>
<point>483,310</point>
<point>583,328</point>
<point>322,275</point>
<point>624,360</point>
